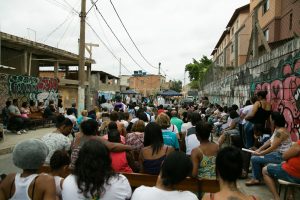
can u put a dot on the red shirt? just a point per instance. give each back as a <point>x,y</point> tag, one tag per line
<point>292,165</point>
<point>160,111</point>
<point>119,162</point>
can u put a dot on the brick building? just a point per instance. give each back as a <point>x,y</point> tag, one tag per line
<point>148,85</point>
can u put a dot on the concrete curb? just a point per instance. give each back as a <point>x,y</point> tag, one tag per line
<point>6,150</point>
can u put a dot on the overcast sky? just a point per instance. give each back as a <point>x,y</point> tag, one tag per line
<point>168,31</point>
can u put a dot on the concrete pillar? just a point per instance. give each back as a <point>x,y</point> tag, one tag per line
<point>67,71</point>
<point>106,79</point>
<point>56,66</point>
<point>25,63</point>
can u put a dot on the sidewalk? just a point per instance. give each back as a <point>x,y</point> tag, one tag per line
<point>11,139</point>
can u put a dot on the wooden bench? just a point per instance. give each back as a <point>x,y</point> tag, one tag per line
<point>139,179</point>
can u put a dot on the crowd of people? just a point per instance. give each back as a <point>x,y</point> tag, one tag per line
<point>201,140</point>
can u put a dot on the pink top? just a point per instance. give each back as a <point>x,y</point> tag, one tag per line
<point>119,162</point>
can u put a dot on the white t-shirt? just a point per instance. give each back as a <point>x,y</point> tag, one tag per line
<point>55,141</point>
<point>186,126</point>
<point>117,189</point>
<point>245,111</point>
<point>154,193</point>
<point>72,118</point>
<point>191,141</point>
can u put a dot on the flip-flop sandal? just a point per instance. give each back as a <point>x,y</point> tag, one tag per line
<point>253,183</point>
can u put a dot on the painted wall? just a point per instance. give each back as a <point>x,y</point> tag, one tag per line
<point>27,88</point>
<point>277,72</point>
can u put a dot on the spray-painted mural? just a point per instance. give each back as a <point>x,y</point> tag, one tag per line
<point>27,88</point>
<point>283,84</point>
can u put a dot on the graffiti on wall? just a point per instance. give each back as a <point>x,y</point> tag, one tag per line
<point>283,86</point>
<point>27,88</point>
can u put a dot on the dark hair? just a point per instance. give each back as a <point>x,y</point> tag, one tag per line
<point>253,99</point>
<point>89,127</point>
<point>235,107</point>
<point>15,101</point>
<point>105,115</point>
<point>93,168</point>
<point>114,136</point>
<point>229,164</point>
<point>221,109</point>
<point>143,116</point>
<point>59,159</point>
<point>112,126</point>
<point>31,102</point>
<point>73,104</point>
<point>160,106</point>
<point>153,137</point>
<point>59,104</point>
<point>62,121</point>
<point>126,115</point>
<point>176,167</point>
<point>278,119</point>
<point>8,103</point>
<point>203,130</point>
<point>114,116</point>
<point>195,118</point>
<point>233,114</point>
<point>225,108</point>
<point>262,93</point>
<point>24,104</point>
<point>70,111</point>
<point>248,102</point>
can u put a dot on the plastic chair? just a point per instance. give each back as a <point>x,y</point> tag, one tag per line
<point>286,185</point>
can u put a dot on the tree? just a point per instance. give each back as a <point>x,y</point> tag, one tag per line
<point>176,85</point>
<point>197,70</point>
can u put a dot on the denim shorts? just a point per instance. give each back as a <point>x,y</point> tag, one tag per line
<point>276,171</point>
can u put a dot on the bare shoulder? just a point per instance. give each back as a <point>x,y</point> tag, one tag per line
<point>207,196</point>
<point>45,180</point>
<point>170,149</point>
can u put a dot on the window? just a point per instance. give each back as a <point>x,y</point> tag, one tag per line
<point>266,34</point>
<point>232,30</point>
<point>232,48</point>
<point>291,21</point>
<point>266,6</point>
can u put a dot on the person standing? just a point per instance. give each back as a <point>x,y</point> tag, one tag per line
<point>175,120</point>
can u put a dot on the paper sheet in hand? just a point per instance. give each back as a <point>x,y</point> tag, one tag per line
<point>248,150</point>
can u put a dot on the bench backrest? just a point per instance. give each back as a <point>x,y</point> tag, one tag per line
<point>191,184</point>
<point>139,179</point>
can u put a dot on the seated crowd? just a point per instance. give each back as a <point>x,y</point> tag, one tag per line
<point>198,141</point>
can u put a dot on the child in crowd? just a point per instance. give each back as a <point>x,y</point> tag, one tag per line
<point>59,164</point>
<point>119,159</point>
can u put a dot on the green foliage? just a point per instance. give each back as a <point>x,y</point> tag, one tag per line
<point>194,84</point>
<point>176,85</point>
<point>197,69</point>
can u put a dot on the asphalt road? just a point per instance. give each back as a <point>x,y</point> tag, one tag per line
<point>6,164</point>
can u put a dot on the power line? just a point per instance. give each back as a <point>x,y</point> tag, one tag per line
<point>130,36</point>
<point>106,38</point>
<point>65,31</point>
<point>107,47</point>
<point>118,39</point>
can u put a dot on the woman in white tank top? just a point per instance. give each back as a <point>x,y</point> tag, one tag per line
<point>28,155</point>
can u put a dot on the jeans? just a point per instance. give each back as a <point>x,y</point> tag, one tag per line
<point>277,172</point>
<point>248,137</point>
<point>259,161</point>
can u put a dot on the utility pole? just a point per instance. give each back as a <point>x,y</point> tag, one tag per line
<point>159,68</point>
<point>81,71</point>
<point>120,68</point>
